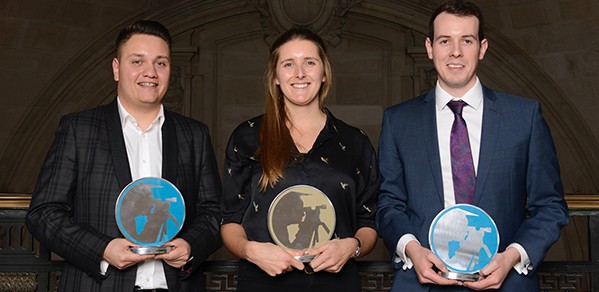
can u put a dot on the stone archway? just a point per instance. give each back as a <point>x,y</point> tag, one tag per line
<point>219,56</point>
<point>375,45</point>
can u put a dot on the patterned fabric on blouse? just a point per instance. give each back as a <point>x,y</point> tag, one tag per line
<point>342,163</point>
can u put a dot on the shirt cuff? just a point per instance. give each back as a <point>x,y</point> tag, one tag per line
<point>400,251</point>
<point>524,265</point>
<point>103,267</point>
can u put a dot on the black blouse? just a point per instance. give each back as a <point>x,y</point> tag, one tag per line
<point>342,163</point>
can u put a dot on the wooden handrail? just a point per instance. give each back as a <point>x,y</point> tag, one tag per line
<point>575,201</point>
<point>14,201</point>
<point>582,202</point>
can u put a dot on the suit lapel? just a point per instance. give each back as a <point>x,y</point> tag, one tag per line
<point>429,122</point>
<point>118,152</point>
<point>488,140</point>
<point>170,151</point>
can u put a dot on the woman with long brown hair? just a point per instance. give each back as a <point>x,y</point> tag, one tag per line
<point>297,144</point>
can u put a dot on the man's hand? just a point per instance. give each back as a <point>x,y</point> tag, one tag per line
<point>496,271</point>
<point>333,255</point>
<point>424,260</point>
<point>272,259</point>
<point>117,254</point>
<point>179,255</point>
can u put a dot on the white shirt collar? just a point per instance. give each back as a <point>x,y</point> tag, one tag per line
<point>473,97</point>
<point>127,117</point>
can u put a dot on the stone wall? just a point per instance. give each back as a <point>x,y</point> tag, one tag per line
<point>40,38</point>
<point>65,46</point>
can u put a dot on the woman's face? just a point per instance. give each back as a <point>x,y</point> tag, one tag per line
<point>299,72</point>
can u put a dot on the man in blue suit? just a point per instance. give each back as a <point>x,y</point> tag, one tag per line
<point>513,164</point>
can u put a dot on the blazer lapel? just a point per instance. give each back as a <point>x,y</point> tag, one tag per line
<point>429,122</point>
<point>488,140</point>
<point>118,152</point>
<point>170,150</point>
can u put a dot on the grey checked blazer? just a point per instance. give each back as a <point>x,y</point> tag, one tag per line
<point>73,205</point>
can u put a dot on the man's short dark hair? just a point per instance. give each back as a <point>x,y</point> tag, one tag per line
<point>148,27</point>
<point>458,8</point>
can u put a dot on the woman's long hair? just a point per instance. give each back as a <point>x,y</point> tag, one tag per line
<point>276,143</point>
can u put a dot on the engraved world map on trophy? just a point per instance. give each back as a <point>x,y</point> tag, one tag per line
<point>150,212</point>
<point>465,238</point>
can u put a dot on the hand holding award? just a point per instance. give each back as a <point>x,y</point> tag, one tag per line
<point>465,238</point>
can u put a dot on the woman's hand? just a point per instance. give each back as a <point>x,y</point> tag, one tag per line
<point>333,255</point>
<point>272,259</point>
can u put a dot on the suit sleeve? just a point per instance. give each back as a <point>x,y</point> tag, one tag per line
<point>547,210</point>
<point>391,219</point>
<point>204,235</point>
<point>50,216</point>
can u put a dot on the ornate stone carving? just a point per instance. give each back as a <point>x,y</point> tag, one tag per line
<point>18,282</point>
<point>177,98</point>
<point>564,281</point>
<point>173,100</point>
<point>221,281</point>
<point>327,18</point>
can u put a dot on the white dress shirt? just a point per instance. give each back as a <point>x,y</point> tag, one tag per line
<point>144,152</point>
<point>473,115</point>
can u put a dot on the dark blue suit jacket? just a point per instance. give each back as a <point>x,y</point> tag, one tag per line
<point>73,205</point>
<point>518,181</point>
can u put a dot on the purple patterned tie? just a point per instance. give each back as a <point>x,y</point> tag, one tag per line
<point>462,166</point>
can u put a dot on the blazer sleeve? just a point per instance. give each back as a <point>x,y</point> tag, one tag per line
<point>547,210</point>
<point>50,217</point>
<point>391,218</point>
<point>203,233</point>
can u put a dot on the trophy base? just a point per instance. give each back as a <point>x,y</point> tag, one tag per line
<point>305,258</point>
<point>460,276</point>
<point>161,249</point>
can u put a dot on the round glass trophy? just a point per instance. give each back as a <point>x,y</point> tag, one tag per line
<point>150,212</point>
<point>301,217</point>
<point>465,238</point>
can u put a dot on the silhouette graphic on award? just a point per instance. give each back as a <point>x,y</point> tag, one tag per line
<point>150,212</point>
<point>465,238</point>
<point>301,217</point>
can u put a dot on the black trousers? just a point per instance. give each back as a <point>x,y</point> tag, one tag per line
<point>251,279</point>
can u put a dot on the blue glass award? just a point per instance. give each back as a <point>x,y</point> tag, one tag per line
<point>150,212</point>
<point>465,238</point>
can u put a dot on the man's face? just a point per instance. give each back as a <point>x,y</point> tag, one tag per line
<point>456,50</point>
<point>142,71</point>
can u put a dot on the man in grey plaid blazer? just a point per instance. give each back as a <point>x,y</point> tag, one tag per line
<point>97,152</point>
